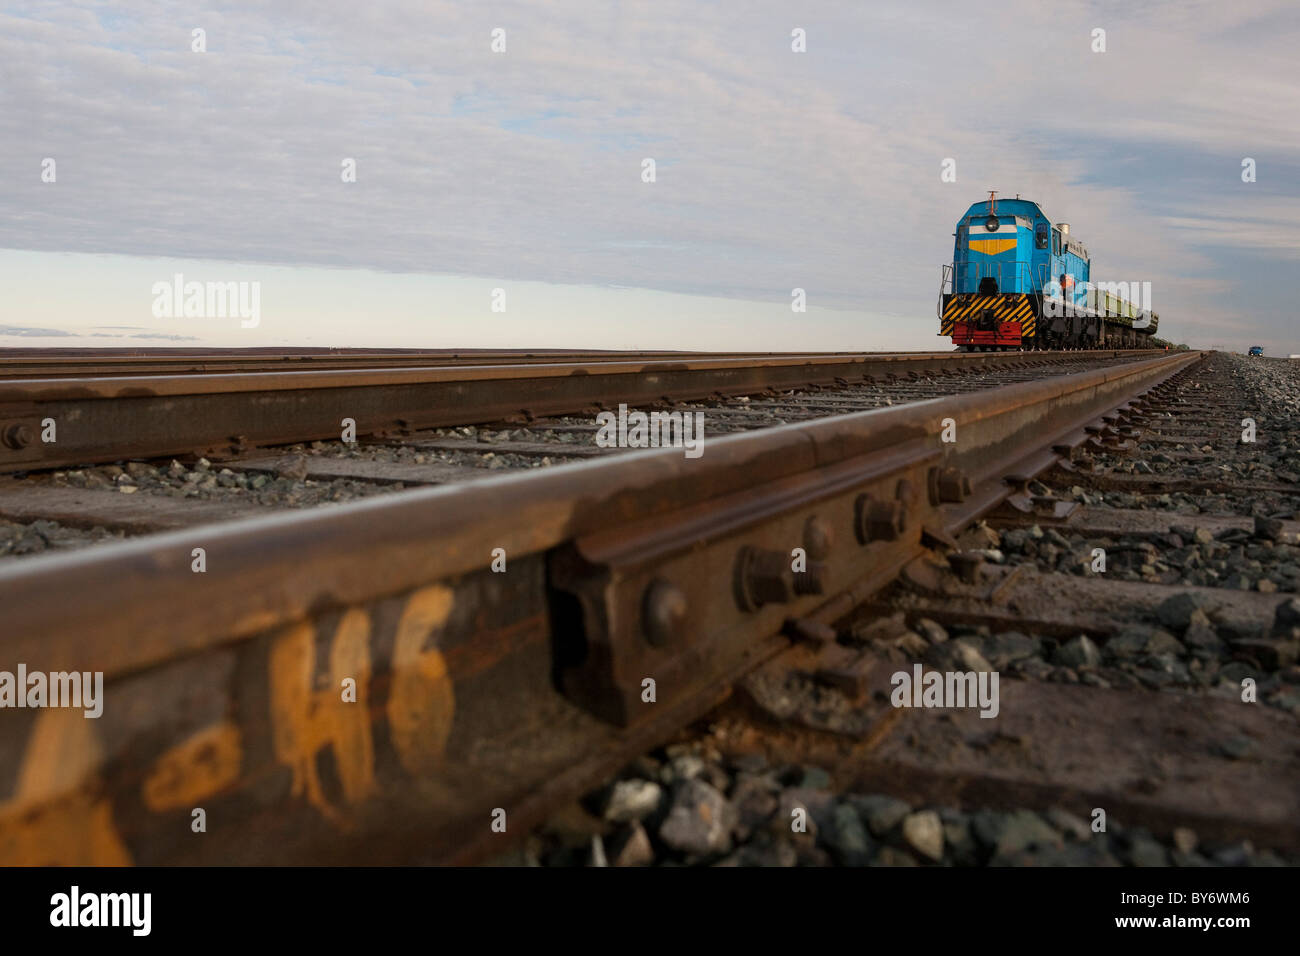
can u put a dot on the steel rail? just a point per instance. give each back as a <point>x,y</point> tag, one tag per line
<point>111,417</point>
<point>475,691</point>
<point>34,363</point>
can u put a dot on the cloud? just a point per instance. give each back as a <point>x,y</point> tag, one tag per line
<point>27,331</point>
<point>774,169</point>
<point>32,332</point>
<point>1272,230</point>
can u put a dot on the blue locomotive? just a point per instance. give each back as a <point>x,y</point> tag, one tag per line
<point>1018,281</point>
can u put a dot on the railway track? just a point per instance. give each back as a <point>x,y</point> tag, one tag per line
<point>77,506</point>
<point>80,363</point>
<point>102,411</point>
<point>429,674</point>
<point>1125,682</point>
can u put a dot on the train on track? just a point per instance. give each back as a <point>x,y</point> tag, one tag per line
<point>1019,281</point>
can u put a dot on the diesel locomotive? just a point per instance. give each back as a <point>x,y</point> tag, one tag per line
<point>1019,281</point>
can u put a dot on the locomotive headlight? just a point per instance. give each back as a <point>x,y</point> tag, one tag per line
<point>991,223</point>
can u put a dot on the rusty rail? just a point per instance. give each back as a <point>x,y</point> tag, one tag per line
<point>475,690</point>
<point>67,363</point>
<point>57,421</point>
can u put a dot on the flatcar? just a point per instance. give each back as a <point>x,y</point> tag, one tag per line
<point>1019,281</point>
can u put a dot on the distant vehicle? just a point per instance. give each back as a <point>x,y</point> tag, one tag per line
<point>1256,350</point>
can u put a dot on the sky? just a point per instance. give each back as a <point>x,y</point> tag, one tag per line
<point>500,196</point>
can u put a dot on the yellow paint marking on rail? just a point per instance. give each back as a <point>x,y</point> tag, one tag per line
<point>305,720</point>
<point>421,703</point>
<point>58,816</point>
<point>203,764</point>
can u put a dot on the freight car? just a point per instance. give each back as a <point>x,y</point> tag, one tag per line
<point>1018,281</point>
